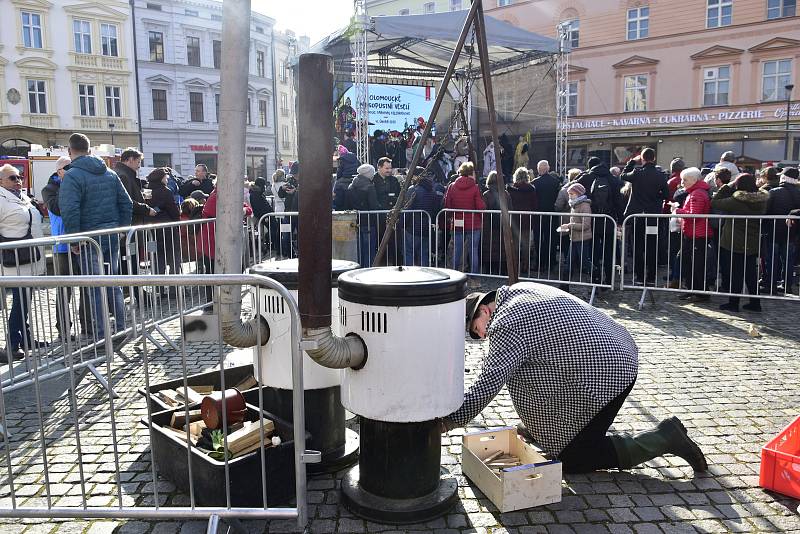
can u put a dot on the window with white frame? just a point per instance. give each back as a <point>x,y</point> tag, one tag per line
<point>193,51</point>
<point>716,85</point>
<point>638,23</point>
<point>159,104</point>
<point>455,5</point>
<point>635,94</point>
<point>108,40</point>
<point>282,71</point>
<point>573,29</point>
<point>503,3</point>
<point>776,75</point>
<point>429,8</point>
<point>284,104</point>
<point>285,135</point>
<point>262,113</point>
<point>249,114</point>
<point>571,99</point>
<point>216,107</point>
<point>113,101</point>
<point>403,12</point>
<point>156,47</point>
<point>196,107</point>
<point>720,13</point>
<point>37,96</point>
<point>31,30</point>
<point>82,32</point>
<point>86,100</point>
<point>260,63</point>
<point>781,8</point>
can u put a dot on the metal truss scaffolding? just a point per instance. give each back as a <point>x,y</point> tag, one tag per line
<point>562,99</point>
<point>361,79</point>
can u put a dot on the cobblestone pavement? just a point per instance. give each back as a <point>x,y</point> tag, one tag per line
<point>734,393</point>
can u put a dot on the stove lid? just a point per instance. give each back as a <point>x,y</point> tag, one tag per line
<point>402,286</point>
<point>286,271</point>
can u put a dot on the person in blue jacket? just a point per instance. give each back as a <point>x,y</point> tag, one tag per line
<point>64,263</point>
<point>91,198</point>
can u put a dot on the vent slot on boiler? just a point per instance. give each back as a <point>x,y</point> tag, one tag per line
<point>374,322</point>
<point>276,304</point>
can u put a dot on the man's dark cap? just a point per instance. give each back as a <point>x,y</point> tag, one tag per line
<point>474,301</point>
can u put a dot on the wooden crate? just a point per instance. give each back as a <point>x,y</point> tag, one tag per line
<point>534,483</point>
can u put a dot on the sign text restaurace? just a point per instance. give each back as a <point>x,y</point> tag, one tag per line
<point>680,118</point>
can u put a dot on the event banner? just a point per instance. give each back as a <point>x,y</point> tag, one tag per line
<point>393,107</point>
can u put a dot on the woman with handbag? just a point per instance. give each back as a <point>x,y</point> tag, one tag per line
<point>20,219</point>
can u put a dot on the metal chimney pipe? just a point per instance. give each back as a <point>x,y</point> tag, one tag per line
<point>315,147</point>
<point>232,133</point>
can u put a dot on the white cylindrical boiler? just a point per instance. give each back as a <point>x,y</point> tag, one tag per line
<point>325,417</point>
<point>411,320</point>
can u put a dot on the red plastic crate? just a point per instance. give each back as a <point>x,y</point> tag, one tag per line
<point>780,462</point>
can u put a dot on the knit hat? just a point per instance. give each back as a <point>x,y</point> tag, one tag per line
<point>366,170</point>
<point>342,150</point>
<point>578,189</point>
<point>62,162</point>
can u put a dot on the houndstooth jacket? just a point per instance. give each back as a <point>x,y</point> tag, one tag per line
<point>563,361</point>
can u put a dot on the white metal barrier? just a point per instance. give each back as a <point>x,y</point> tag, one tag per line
<point>712,254</point>
<point>562,248</point>
<point>65,426</point>
<point>356,236</point>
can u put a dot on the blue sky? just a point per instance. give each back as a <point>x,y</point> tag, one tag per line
<point>315,18</point>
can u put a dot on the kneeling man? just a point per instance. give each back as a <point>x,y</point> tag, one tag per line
<point>568,368</point>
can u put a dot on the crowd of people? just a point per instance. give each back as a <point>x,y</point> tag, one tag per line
<point>687,226</point>
<point>71,205</point>
<point>665,238</point>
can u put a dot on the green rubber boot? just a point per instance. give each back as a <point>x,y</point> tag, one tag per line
<point>668,437</point>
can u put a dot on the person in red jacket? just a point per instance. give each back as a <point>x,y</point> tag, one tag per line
<point>205,239</point>
<point>463,194</point>
<point>696,232</point>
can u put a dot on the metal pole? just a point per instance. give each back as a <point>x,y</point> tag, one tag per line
<point>316,86</point>
<point>788,88</point>
<point>505,220</point>
<point>232,133</point>
<point>440,94</point>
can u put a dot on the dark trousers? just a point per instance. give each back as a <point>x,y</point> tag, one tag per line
<point>19,329</point>
<point>693,258</point>
<point>67,264</point>
<point>593,448</point>
<point>739,271</point>
<point>604,235</point>
<point>645,255</point>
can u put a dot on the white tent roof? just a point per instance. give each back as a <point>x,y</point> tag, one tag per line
<point>421,46</point>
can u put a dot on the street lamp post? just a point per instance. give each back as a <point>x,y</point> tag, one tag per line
<point>788,88</point>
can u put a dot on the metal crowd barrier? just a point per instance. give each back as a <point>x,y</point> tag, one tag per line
<point>686,253</point>
<point>356,236</point>
<point>51,343</point>
<point>583,253</point>
<point>64,423</point>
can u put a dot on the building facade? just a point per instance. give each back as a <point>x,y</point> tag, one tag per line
<point>287,48</point>
<point>66,67</point>
<point>413,7</point>
<point>692,79</point>
<point>179,50</point>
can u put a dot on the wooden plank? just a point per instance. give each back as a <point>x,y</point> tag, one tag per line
<point>178,419</point>
<point>248,383</point>
<point>248,435</point>
<point>203,390</point>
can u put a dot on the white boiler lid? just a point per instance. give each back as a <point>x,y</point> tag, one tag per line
<point>402,286</point>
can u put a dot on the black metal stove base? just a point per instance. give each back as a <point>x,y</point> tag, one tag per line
<point>398,511</point>
<point>338,459</point>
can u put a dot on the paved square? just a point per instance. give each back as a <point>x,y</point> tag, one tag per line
<point>734,392</point>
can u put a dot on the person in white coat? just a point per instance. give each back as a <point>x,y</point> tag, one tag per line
<point>20,219</point>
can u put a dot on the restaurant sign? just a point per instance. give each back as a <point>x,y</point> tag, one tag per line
<point>660,120</point>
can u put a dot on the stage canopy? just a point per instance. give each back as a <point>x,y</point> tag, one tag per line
<point>416,48</point>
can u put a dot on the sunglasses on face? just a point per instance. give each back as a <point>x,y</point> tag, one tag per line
<point>15,177</point>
